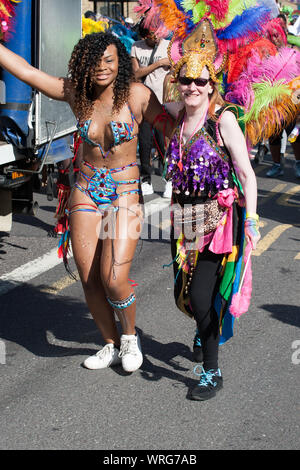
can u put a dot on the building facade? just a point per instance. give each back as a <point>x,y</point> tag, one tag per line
<point>115,9</point>
<point>111,8</point>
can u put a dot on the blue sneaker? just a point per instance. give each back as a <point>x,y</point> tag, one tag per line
<point>297,168</point>
<point>197,348</point>
<point>210,382</point>
<point>275,170</point>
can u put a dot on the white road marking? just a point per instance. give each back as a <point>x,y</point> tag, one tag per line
<point>29,271</point>
<point>38,266</point>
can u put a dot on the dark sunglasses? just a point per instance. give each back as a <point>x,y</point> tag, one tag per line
<point>197,81</point>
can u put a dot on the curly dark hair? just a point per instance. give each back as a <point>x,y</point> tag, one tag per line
<point>85,56</point>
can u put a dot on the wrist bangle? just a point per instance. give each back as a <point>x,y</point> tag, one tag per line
<point>252,215</point>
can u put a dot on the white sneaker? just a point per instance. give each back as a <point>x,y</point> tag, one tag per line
<point>107,356</point>
<point>147,188</point>
<point>131,353</point>
<point>168,190</point>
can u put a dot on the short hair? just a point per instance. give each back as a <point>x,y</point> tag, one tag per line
<point>283,17</point>
<point>90,14</point>
<point>143,32</point>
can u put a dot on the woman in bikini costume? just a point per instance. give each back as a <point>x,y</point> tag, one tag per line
<point>109,107</point>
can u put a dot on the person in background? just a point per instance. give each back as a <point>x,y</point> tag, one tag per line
<point>90,14</point>
<point>129,22</point>
<point>150,64</point>
<point>277,34</point>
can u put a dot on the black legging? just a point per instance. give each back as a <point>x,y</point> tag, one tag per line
<point>145,145</point>
<point>276,139</point>
<point>203,290</point>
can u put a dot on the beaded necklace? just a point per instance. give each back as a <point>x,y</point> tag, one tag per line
<point>198,125</point>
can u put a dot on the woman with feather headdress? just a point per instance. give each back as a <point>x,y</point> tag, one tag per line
<point>214,220</point>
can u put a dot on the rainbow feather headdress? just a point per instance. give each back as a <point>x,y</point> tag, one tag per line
<point>232,37</point>
<point>197,50</point>
<point>204,31</point>
<point>7,13</point>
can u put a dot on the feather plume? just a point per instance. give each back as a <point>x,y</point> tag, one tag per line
<point>284,66</point>
<point>294,40</point>
<point>235,7</point>
<point>241,93</point>
<point>263,89</point>
<point>266,93</point>
<point>241,300</point>
<point>199,11</point>
<point>143,6</point>
<point>90,26</point>
<point>244,28</point>
<point>151,13</point>
<point>273,29</point>
<point>7,13</point>
<point>262,46</point>
<point>174,18</point>
<point>187,5</point>
<point>218,8</point>
<point>272,108</point>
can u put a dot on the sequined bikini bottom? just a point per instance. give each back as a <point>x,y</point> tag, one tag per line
<point>102,190</point>
<point>102,187</point>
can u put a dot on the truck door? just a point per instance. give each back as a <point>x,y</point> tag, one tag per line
<point>58,29</point>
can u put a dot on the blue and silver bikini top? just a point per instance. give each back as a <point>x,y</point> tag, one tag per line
<point>122,132</point>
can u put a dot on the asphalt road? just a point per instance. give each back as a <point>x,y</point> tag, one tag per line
<point>49,401</point>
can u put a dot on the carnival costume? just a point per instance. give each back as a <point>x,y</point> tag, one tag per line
<point>7,14</point>
<point>258,84</point>
<point>206,194</point>
<point>102,188</point>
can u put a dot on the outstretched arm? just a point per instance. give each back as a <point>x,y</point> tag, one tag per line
<point>142,72</point>
<point>155,114</point>
<point>54,87</point>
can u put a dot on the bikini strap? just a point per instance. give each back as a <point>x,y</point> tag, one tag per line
<point>132,116</point>
<point>121,168</point>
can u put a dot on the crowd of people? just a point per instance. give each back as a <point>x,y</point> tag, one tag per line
<point>120,104</point>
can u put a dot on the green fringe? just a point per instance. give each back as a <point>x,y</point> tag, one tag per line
<point>236,7</point>
<point>266,94</point>
<point>294,40</point>
<point>188,4</point>
<point>239,113</point>
<point>199,11</point>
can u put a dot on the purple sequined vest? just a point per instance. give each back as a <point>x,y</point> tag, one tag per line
<point>206,165</point>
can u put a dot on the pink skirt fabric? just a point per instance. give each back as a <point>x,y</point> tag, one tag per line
<point>220,240</point>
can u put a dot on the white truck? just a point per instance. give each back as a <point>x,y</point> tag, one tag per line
<point>35,131</point>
